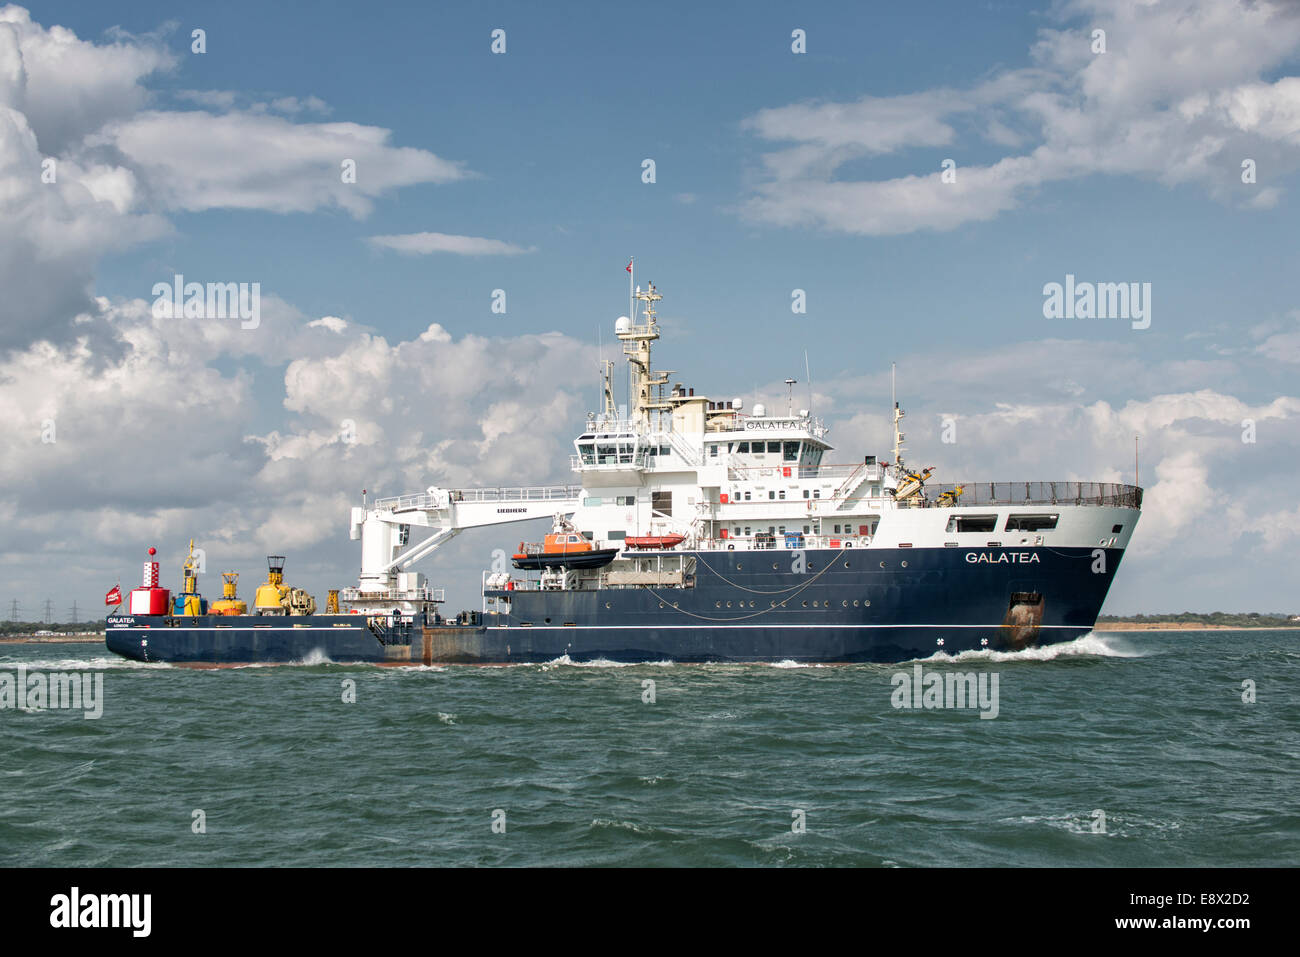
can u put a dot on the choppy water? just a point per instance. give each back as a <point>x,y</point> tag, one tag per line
<point>1148,727</point>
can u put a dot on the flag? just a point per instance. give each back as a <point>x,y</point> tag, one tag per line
<point>629,265</point>
<point>114,596</point>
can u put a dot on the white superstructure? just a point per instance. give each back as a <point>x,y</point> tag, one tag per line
<point>676,463</point>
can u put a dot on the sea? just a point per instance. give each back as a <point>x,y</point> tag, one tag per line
<point>1146,749</point>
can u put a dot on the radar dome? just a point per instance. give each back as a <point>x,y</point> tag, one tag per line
<point>760,410</point>
<point>737,404</point>
<point>622,324</point>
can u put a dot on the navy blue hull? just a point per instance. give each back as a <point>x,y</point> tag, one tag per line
<point>218,640</point>
<point>882,605</point>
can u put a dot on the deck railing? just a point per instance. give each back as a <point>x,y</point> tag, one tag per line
<point>1109,494</point>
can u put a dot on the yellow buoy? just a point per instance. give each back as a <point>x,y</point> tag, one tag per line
<point>229,603</point>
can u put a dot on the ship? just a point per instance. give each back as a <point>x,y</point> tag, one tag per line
<point>696,531</point>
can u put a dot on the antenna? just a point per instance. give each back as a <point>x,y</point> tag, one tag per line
<point>1136,477</point>
<point>807,372</point>
<point>897,416</point>
<point>789,385</point>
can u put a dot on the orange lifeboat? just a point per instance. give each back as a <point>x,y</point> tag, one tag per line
<point>655,541</point>
<point>563,547</point>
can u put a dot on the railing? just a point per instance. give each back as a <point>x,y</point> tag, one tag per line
<point>620,460</point>
<point>751,472</point>
<point>685,452</point>
<point>425,500</point>
<point>779,542</point>
<point>392,594</point>
<point>608,428</point>
<point>1107,494</point>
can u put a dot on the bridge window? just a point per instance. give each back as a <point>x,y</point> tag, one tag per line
<point>713,450</point>
<point>972,523</point>
<point>791,452</point>
<point>1030,523</point>
<point>774,447</point>
<point>743,447</point>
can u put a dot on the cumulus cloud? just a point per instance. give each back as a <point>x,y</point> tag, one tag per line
<point>1179,96</point>
<point>197,160</point>
<point>177,447</point>
<point>423,244</point>
<point>1199,461</point>
<point>86,170</point>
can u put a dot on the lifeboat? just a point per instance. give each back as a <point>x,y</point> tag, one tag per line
<point>655,541</point>
<point>564,547</point>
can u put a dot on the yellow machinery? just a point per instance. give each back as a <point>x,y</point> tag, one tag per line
<point>332,602</point>
<point>949,498</point>
<point>189,601</point>
<point>229,603</point>
<point>272,594</point>
<point>274,597</point>
<point>301,603</point>
<point>912,484</point>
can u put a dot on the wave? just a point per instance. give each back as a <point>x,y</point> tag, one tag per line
<point>80,664</point>
<point>1091,645</point>
<point>565,660</point>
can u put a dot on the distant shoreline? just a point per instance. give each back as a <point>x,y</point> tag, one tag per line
<point>51,639</point>
<point>1184,626</point>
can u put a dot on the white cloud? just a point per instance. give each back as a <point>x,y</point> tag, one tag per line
<point>84,172</point>
<point>423,244</point>
<point>1179,97</point>
<point>69,87</point>
<point>198,160</point>
<point>332,323</point>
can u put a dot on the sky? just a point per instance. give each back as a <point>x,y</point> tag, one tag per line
<point>919,175</point>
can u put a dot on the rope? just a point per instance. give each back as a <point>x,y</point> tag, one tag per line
<point>797,589</point>
<point>779,591</point>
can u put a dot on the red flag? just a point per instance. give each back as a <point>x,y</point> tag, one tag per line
<point>629,265</point>
<point>114,596</point>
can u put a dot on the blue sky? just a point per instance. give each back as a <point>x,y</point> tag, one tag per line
<point>774,172</point>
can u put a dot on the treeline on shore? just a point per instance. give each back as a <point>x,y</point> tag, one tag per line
<point>1233,619</point>
<point>58,628</point>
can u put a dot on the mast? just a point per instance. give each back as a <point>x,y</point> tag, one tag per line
<point>644,386</point>
<point>898,415</point>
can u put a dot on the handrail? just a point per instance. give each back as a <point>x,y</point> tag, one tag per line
<point>1104,494</point>
<point>533,493</point>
